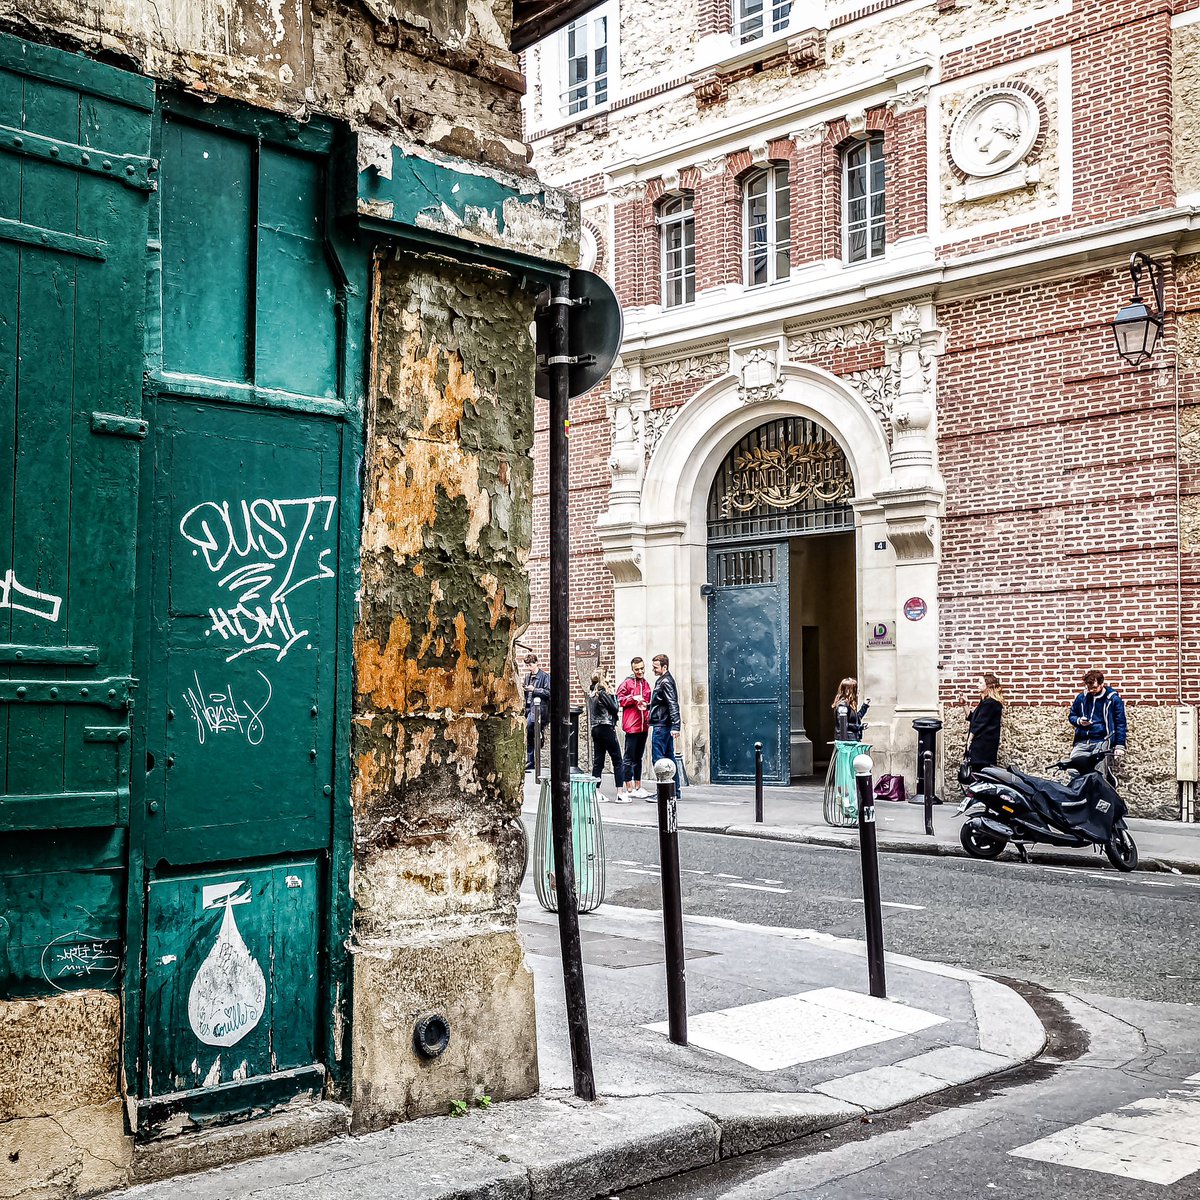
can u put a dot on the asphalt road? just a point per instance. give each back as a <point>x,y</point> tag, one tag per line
<point>1119,957</point>
<point>1087,929</point>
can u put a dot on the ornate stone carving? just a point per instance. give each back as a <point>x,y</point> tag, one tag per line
<point>710,168</point>
<point>627,458</point>
<point>809,136</point>
<point>806,50</point>
<point>628,191</point>
<point>759,379</point>
<point>708,90</point>
<point>910,352</point>
<point>678,369</point>
<point>808,343</point>
<point>879,387</point>
<point>994,132</point>
<point>655,422</point>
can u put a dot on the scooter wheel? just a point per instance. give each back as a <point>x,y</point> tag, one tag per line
<point>1121,851</point>
<point>979,842</point>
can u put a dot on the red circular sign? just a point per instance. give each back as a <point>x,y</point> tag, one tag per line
<point>915,608</point>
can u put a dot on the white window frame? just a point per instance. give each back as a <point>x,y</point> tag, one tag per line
<point>589,96</point>
<point>682,214</point>
<point>778,180</point>
<point>873,147</point>
<point>751,19</point>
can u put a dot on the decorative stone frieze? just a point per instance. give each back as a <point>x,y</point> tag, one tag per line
<point>811,343</point>
<point>676,370</point>
<point>879,387</point>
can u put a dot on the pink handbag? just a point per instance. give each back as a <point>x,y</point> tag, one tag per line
<point>890,787</point>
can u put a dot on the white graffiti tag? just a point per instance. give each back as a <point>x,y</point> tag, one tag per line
<point>262,552</point>
<point>18,597</point>
<point>220,712</point>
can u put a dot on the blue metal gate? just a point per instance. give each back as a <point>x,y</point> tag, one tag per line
<point>748,661</point>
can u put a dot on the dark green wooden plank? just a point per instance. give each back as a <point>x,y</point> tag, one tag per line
<point>76,71</point>
<point>231,975</point>
<point>207,219</point>
<point>61,894</point>
<point>296,339</point>
<point>64,810</point>
<point>250,621</point>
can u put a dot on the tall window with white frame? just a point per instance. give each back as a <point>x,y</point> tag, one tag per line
<point>755,19</point>
<point>767,225</point>
<point>863,199</point>
<point>677,236</point>
<point>585,63</point>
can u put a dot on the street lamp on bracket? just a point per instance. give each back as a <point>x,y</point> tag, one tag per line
<point>1137,327</point>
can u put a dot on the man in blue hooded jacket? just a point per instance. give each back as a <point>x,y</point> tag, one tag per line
<point>1098,714</point>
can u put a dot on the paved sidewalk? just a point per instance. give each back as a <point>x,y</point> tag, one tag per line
<point>793,814</point>
<point>785,1042</point>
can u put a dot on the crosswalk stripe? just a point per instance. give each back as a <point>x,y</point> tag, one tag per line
<point>1156,1140</point>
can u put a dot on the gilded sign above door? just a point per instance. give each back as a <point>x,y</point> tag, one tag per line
<point>787,475</point>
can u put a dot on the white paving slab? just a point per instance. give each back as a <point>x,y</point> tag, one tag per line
<point>1156,1140</point>
<point>773,1034</point>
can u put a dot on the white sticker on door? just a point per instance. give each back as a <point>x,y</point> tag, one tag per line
<point>229,993</point>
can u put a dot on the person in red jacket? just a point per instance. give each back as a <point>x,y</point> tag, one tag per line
<point>634,698</point>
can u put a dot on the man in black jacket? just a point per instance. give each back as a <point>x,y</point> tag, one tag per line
<point>664,716</point>
<point>537,707</point>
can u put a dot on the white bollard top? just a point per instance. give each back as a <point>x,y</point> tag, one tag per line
<point>863,764</point>
<point>664,769</point>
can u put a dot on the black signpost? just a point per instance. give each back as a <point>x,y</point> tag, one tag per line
<point>578,334</point>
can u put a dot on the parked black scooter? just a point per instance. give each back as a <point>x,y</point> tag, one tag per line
<point>1005,806</point>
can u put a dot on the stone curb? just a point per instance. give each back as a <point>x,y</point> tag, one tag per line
<point>555,1147</point>
<point>817,835</point>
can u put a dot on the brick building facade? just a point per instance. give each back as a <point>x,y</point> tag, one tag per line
<point>955,189</point>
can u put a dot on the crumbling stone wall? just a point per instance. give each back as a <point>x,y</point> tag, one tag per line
<point>438,73</point>
<point>438,746</point>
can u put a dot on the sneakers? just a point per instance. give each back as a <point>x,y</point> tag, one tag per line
<point>640,793</point>
<point>623,798</point>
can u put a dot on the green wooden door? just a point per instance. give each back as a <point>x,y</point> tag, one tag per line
<point>244,648</point>
<point>76,180</point>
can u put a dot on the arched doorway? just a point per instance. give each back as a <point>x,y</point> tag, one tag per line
<point>782,602</point>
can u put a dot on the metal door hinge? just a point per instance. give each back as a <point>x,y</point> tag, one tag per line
<point>118,426</point>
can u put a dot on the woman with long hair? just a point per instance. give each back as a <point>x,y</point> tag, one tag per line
<point>602,713</point>
<point>983,723</point>
<point>848,713</point>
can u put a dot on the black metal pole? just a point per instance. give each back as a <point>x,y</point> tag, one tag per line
<point>560,704</point>
<point>758,784</point>
<point>537,741</point>
<point>668,862</point>
<point>929,793</point>
<point>870,876</point>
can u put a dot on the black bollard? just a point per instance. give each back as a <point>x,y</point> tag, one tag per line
<point>668,864</point>
<point>870,876</point>
<point>758,784</point>
<point>929,798</point>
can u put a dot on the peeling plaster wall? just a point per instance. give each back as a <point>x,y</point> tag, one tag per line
<point>439,73</point>
<point>438,750</point>
<point>1185,64</point>
<point>62,1127</point>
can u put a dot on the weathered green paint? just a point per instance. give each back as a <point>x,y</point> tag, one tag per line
<point>75,179</point>
<point>253,397</point>
<point>474,212</point>
<point>231,978</point>
<point>61,896</point>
